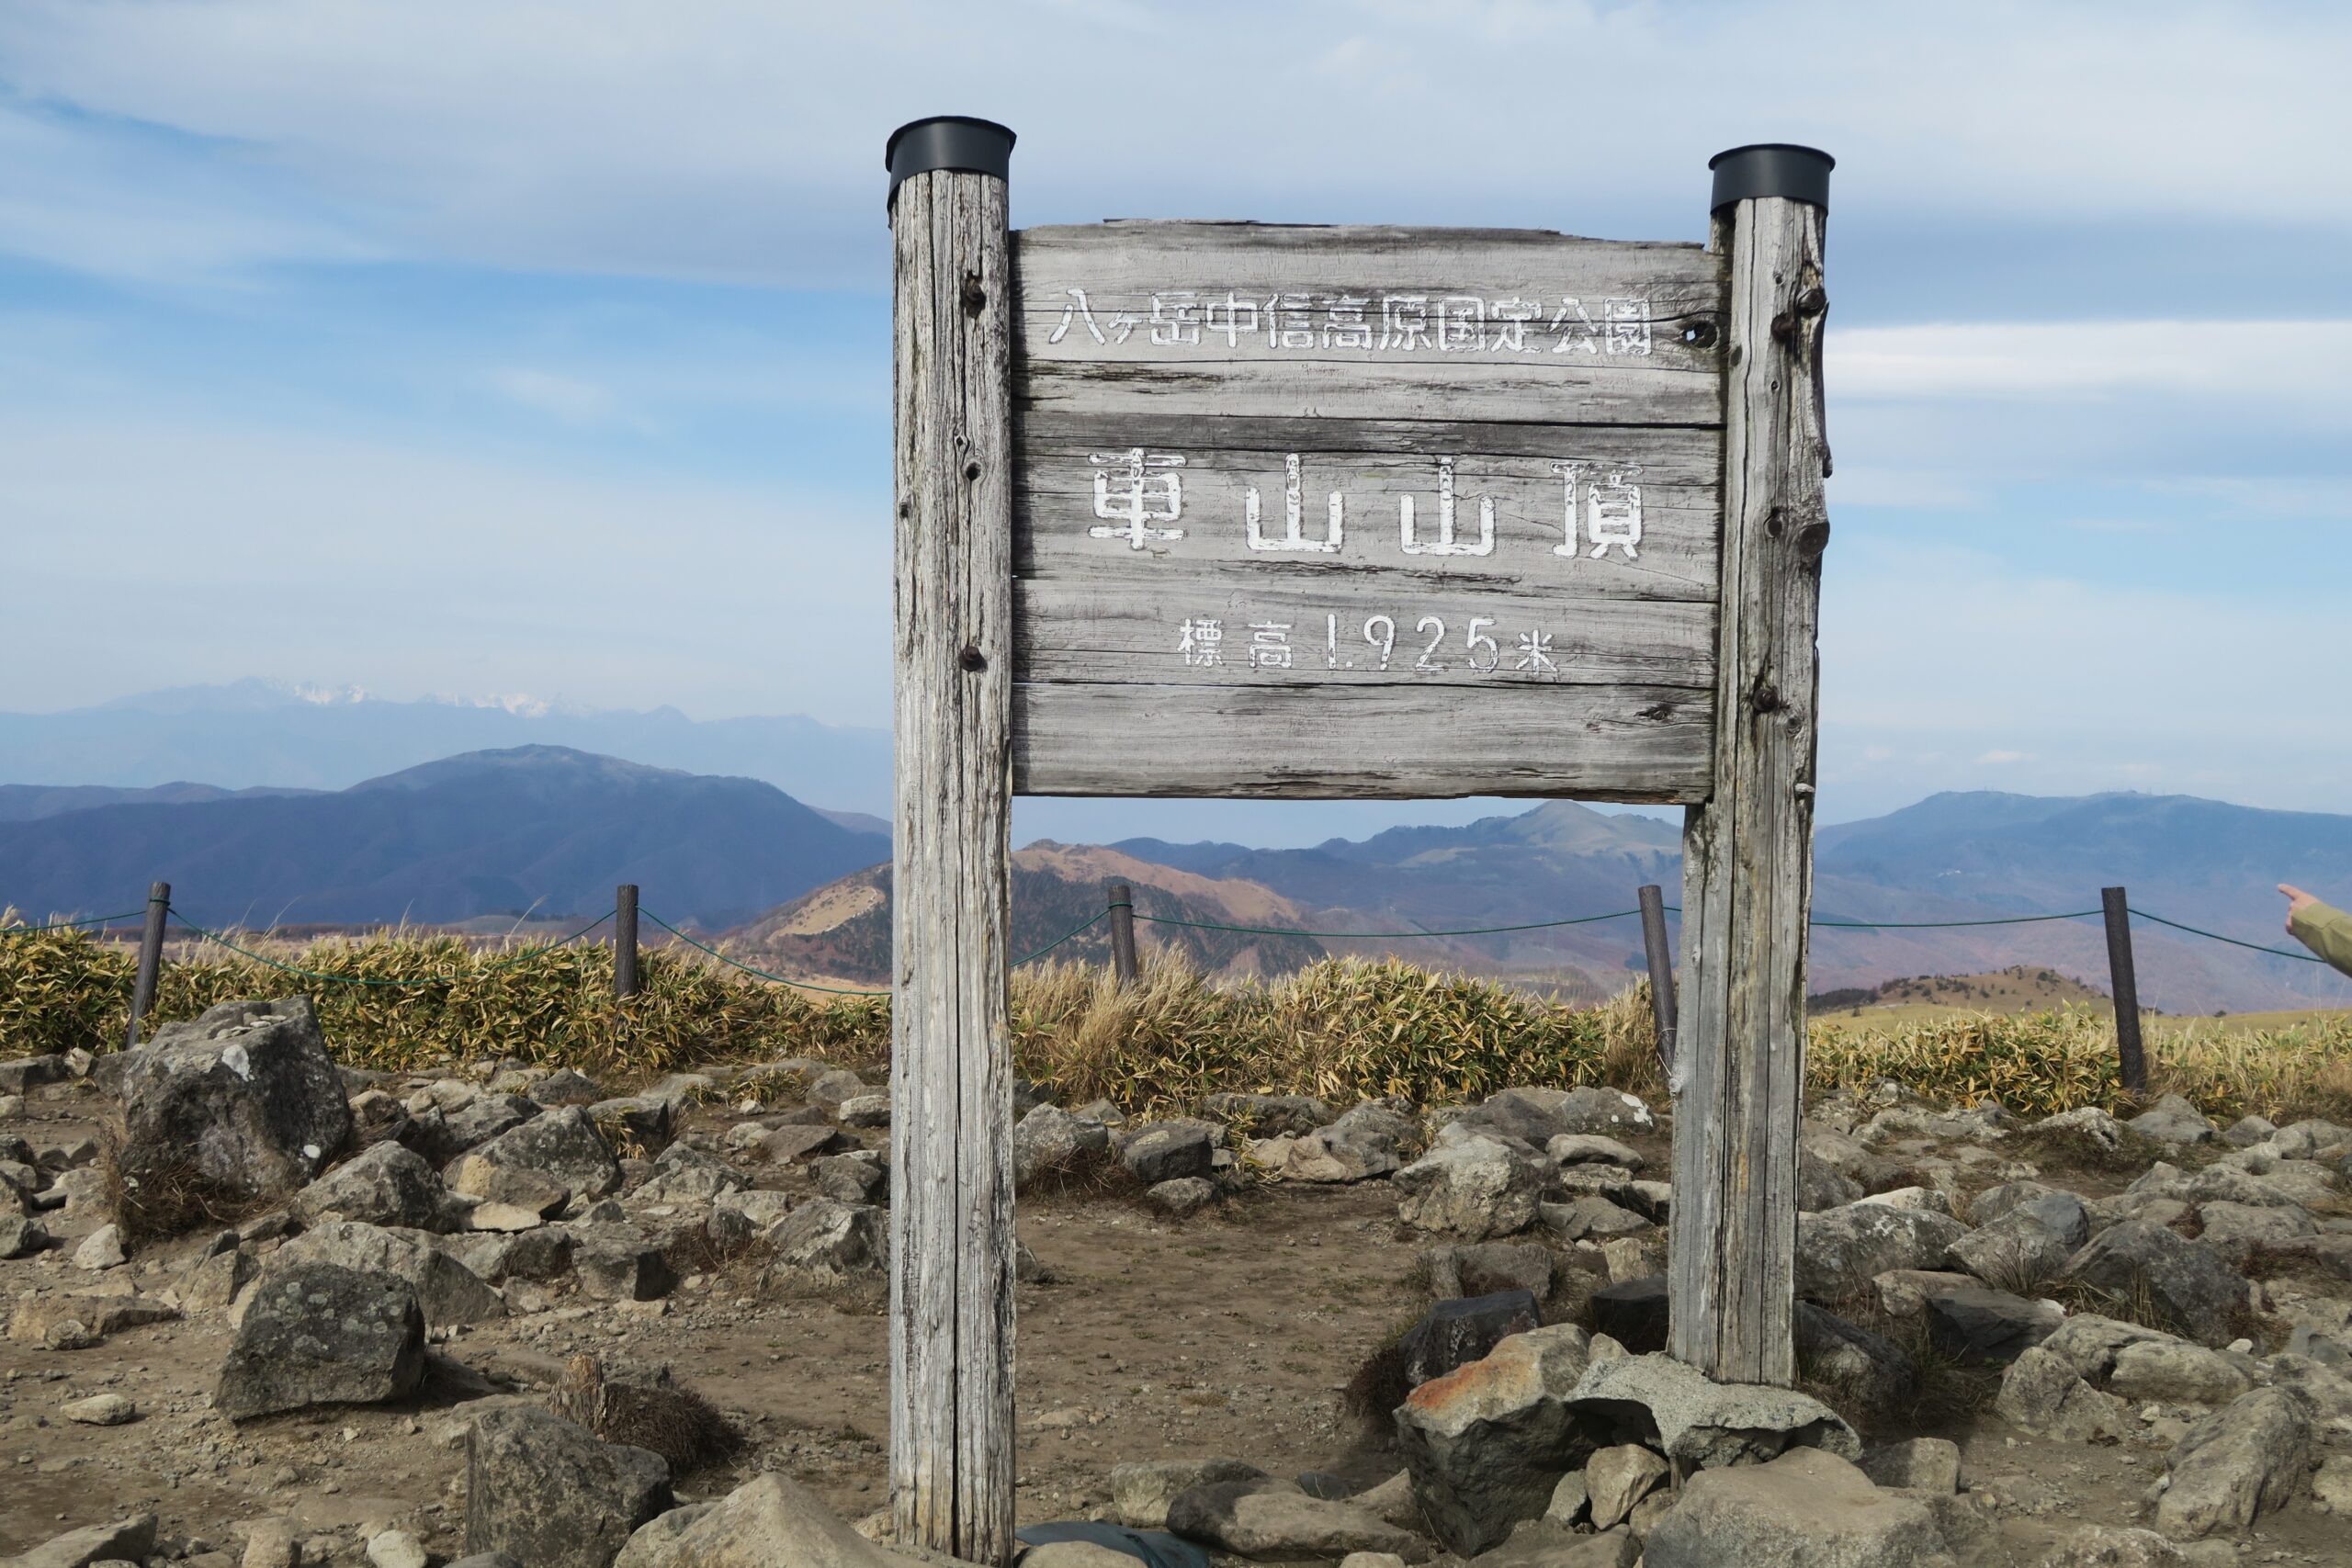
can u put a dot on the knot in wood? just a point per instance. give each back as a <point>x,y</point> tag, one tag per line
<point>1814,538</point>
<point>1812,301</point>
<point>1785,329</point>
<point>1765,698</point>
<point>971,471</point>
<point>972,658</point>
<point>975,298</point>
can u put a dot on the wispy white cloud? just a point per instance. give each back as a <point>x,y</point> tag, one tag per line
<point>2306,364</point>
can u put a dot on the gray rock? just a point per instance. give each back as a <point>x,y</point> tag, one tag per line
<point>2031,1243</point>
<point>2105,1546</point>
<point>563,1145</point>
<point>1364,1144</point>
<point>2189,1283</point>
<point>2087,1122</point>
<point>1591,1217</point>
<point>1141,1492</point>
<point>1982,1326</point>
<point>1904,1293</point>
<point>2176,1372</point>
<point>1635,1313</point>
<point>1596,1109</point>
<point>1805,1509</point>
<point>638,1122</point>
<point>1867,1372</point>
<point>1167,1151</point>
<point>1993,1201</point>
<point>2173,1120</point>
<point>850,1178</point>
<point>1050,1138</point>
<point>1180,1198</point>
<point>480,1119</point>
<point>101,1250</point>
<point>833,1088</point>
<point>2041,1393</point>
<point>1698,1423</point>
<point>2242,1462</point>
<point>20,1238</point>
<point>1591,1149</point>
<point>1486,1443</point>
<point>684,1174</point>
<point>1617,1478</point>
<point>769,1522</point>
<point>1457,1332</point>
<point>396,1548</point>
<point>2248,1131</point>
<point>386,1185</point>
<point>620,1262</point>
<point>2307,1138</point>
<point>1821,1185</point>
<point>244,1102</point>
<point>1841,1251</point>
<point>548,1493</point>
<point>566,1086</point>
<point>2238,1230</point>
<point>865,1111</point>
<point>1485,1268</point>
<point>827,1239</point>
<point>25,1073</point>
<point>100,1410</point>
<point>1251,1519</point>
<point>125,1541</point>
<point>2090,1344</point>
<point>1545,1544</point>
<point>1916,1464</point>
<point>1473,1189</point>
<point>315,1334</point>
<point>448,1293</point>
<point>793,1143</point>
<point>542,1255</point>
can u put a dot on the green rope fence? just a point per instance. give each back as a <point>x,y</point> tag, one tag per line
<point>843,991</point>
<point>68,925</point>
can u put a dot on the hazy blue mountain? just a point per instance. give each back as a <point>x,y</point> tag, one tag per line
<point>27,803</point>
<point>1951,857</point>
<point>259,733</point>
<point>538,827</point>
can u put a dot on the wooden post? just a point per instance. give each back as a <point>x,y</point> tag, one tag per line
<point>951,1159</point>
<point>625,941</point>
<point>2123,980</point>
<point>151,958</point>
<point>1123,934</point>
<point>1661,959</point>
<point>1738,1074</point>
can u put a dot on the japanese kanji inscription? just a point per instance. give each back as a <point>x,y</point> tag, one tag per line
<point>1364,511</point>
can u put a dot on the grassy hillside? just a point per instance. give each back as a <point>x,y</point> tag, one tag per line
<point>1342,1028</point>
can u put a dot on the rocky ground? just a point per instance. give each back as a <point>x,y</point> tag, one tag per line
<point>264,1311</point>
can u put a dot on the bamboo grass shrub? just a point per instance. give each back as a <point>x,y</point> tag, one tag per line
<point>1343,1029</point>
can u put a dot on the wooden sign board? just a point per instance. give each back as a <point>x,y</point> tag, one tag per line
<point>1363,512</point>
<point>1238,510</point>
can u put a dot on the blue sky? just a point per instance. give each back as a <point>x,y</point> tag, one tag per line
<point>541,345</point>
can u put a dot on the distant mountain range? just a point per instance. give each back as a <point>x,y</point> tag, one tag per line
<point>251,733</point>
<point>541,829</point>
<point>551,829</point>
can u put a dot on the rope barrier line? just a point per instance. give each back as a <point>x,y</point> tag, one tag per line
<point>1385,936</point>
<point>68,925</point>
<point>1088,925</point>
<point>508,962</point>
<point>1946,925</point>
<point>2216,936</point>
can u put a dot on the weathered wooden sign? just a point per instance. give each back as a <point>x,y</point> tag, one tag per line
<point>1363,512</point>
<point>1235,509</point>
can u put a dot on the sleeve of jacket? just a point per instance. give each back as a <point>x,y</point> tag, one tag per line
<point>2326,931</point>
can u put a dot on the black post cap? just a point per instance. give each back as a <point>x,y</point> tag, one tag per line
<point>947,141</point>
<point>1771,168</point>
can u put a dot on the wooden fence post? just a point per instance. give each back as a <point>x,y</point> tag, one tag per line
<point>2123,980</point>
<point>951,1160</point>
<point>1738,1074</point>
<point>151,958</point>
<point>1123,934</point>
<point>625,941</point>
<point>1661,960</point>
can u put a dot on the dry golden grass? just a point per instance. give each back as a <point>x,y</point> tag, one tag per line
<point>1344,1029</point>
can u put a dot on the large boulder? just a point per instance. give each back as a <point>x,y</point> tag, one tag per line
<point>1698,1423</point>
<point>1841,1251</point>
<point>1466,1329</point>
<point>1474,1188</point>
<point>124,1540</point>
<point>1365,1143</point>
<point>2042,1393</point>
<point>449,1292</point>
<point>2189,1284</point>
<point>548,1492</point>
<point>1978,1326</point>
<point>2172,1120</point>
<point>1170,1151</point>
<point>1865,1372</point>
<point>2244,1461</point>
<point>1270,1115</point>
<point>827,1239</point>
<point>386,1185</point>
<point>1141,1492</point>
<point>1804,1509</point>
<point>2031,1241</point>
<point>1486,1443</point>
<point>1050,1138</point>
<point>1280,1521</point>
<point>244,1102</point>
<point>2174,1371</point>
<point>562,1145</point>
<point>315,1334</point>
<point>768,1522</point>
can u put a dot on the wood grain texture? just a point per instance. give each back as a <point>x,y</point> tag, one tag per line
<point>1297,358</point>
<point>951,1218</point>
<point>1739,1061</point>
<point>1610,742</point>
